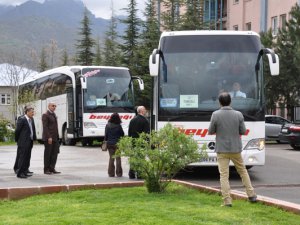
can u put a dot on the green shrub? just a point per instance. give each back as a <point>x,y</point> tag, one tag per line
<point>6,134</point>
<point>160,155</point>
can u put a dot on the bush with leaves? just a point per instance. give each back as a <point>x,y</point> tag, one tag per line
<point>160,155</point>
<point>6,133</point>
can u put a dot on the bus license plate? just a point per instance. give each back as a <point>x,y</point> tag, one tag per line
<point>210,159</point>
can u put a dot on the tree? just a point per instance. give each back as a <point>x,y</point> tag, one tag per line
<point>85,45</point>
<point>160,155</point>
<point>287,85</point>
<point>98,58</point>
<point>64,58</point>
<point>270,81</point>
<point>171,16</point>
<point>52,50</point>
<point>111,53</point>
<point>149,41</point>
<point>193,17</point>
<point>130,38</point>
<point>43,65</point>
<point>12,74</point>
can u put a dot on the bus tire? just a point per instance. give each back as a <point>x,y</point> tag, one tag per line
<point>66,140</point>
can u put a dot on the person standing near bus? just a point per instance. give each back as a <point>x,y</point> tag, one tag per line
<point>113,133</point>
<point>24,136</point>
<point>139,124</point>
<point>228,126</point>
<point>51,139</point>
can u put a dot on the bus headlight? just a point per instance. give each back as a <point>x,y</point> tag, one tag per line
<point>89,125</point>
<point>256,144</point>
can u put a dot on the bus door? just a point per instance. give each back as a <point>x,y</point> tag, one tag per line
<point>70,111</point>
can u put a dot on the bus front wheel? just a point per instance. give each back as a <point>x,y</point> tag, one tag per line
<point>66,140</point>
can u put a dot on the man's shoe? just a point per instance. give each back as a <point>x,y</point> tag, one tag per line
<point>22,175</point>
<point>54,171</point>
<point>252,199</point>
<point>16,171</point>
<point>47,172</point>
<point>29,172</point>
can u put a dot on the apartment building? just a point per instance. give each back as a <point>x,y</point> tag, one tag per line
<point>256,15</point>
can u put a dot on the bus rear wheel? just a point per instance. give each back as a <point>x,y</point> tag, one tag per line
<point>66,140</point>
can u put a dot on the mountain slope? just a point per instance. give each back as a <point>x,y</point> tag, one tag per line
<point>32,25</point>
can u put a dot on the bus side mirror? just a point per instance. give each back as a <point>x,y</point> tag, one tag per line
<point>154,63</point>
<point>140,82</point>
<point>83,82</point>
<point>274,64</point>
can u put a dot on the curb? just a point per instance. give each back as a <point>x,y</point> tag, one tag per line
<point>15,193</point>
<point>287,206</point>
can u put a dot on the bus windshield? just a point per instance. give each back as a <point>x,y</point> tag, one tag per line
<point>107,88</point>
<point>195,69</point>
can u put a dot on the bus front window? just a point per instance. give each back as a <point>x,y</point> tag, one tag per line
<point>106,89</point>
<point>191,80</point>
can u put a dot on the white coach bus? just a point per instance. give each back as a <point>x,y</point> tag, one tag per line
<point>190,69</point>
<point>86,96</point>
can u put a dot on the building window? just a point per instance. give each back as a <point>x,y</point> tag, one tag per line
<point>274,24</point>
<point>235,27</point>
<point>235,1</point>
<point>283,21</point>
<point>248,26</point>
<point>5,99</point>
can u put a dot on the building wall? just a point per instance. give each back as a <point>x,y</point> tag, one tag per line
<point>6,107</point>
<point>252,11</point>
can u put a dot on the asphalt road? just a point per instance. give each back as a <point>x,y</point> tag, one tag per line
<point>279,178</point>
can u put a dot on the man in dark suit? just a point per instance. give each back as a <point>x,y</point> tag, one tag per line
<point>51,139</point>
<point>138,125</point>
<point>25,135</point>
<point>228,125</point>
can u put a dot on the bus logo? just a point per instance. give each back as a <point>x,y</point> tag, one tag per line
<point>107,117</point>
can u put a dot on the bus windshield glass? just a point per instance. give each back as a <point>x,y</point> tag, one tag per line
<point>195,69</point>
<point>107,88</point>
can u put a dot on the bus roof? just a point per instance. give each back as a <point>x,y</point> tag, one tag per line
<point>67,70</point>
<point>207,32</point>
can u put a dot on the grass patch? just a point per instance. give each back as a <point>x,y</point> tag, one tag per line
<point>134,206</point>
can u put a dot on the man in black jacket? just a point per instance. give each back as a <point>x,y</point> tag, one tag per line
<point>138,125</point>
<point>24,136</point>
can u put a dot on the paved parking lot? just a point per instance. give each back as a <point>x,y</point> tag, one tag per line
<point>78,166</point>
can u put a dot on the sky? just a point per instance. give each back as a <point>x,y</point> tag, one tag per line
<point>100,8</point>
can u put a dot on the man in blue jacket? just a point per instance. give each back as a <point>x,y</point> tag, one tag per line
<point>228,125</point>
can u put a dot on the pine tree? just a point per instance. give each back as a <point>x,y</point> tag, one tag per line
<point>130,38</point>
<point>287,84</point>
<point>193,17</point>
<point>64,58</point>
<point>111,53</point>
<point>85,45</point>
<point>149,41</point>
<point>43,65</point>
<point>98,58</point>
<point>171,18</point>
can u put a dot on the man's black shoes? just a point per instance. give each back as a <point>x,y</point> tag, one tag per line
<point>253,199</point>
<point>29,172</point>
<point>22,175</point>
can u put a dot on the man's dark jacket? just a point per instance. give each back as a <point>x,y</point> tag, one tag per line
<point>50,129</point>
<point>22,132</point>
<point>137,125</point>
